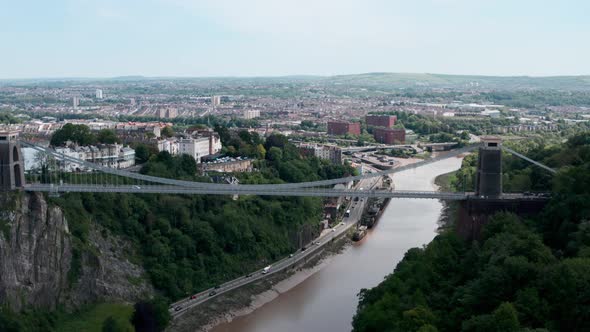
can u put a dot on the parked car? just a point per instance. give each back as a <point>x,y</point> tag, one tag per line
<point>211,293</point>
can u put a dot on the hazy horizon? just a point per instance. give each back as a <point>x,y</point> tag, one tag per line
<point>265,38</point>
<point>270,76</point>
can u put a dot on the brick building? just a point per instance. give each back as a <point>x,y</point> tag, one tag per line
<point>390,135</point>
<point>380,120</point>
<point>342,128</point>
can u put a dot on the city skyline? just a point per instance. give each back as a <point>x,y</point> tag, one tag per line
<point>183,38</point>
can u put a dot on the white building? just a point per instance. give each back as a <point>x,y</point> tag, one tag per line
<point>98,94</point>
<point>491,113</point>
<point>195,147</point>
<point>169,145</point>
<point>75,102</point>
<point>108,155</point>
<point>251,114</point>
<point>215,100</point>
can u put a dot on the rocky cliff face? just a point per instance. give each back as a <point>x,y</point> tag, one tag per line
<point>41,267</point>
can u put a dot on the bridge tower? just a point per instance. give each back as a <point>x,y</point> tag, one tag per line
<point>489,168</point>
<point>11,162</point>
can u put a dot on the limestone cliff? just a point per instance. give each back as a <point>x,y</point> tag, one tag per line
<point>41,267</point>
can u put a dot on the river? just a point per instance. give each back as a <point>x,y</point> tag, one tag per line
<point>327,300</point>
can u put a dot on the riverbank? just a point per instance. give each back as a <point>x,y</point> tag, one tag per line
<point>243,301</point>
<point>449,211</point>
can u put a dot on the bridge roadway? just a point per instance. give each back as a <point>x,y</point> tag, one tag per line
<point>237,190</point>
<point>191,184</point>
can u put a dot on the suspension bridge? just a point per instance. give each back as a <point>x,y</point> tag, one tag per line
<point>61,173</point>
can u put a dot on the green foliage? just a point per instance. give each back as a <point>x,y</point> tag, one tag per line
<point>167,132</point>
<point>152,315</point>
<point>188,243</point>
<point>97,318</point>
<point>143,152</point>
<point>107,136</point>
<point>28,320</point>
<point>8,118</point>
<point>80,134</point>
<point>164,164</point>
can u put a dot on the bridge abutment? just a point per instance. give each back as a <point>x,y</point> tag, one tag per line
<point>475,213</point>
<point>11,162</point>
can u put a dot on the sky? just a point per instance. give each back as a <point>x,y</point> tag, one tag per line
<point>197,38</point>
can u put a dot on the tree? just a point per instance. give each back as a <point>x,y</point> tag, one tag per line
<point>167,132</point>
<point>151,316</point>
<point>275,140</point>
<point>112,325</point>
<point>107,136</point>
<point>79,134</point>
<point>260,151</point>
<point>142,153</point>
<point>275,154</point>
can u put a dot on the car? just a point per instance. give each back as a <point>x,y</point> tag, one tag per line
<point>342,223</point>
<point>318,243</point>
<point>248,275</point>
<point>193,297</point>
<point>137,187</point>
<point>211,293</point>
<point>178,308</point>
<point>304,248</point>
<point>290,256</point>
<point>217,287</point>
<point>333,229</point>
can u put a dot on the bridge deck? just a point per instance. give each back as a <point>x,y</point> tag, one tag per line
<point>237,190</point>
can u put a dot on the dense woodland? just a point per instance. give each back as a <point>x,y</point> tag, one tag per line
<point>521,275</point>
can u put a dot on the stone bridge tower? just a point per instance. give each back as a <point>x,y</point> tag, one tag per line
<point>489,168</point>
<point>11,162</point>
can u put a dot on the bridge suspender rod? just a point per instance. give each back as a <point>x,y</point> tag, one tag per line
<point>529,160</point>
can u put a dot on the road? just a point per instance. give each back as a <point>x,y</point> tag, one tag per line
<point>356,209</point>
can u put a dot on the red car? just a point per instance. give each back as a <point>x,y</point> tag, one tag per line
<point>193,297</point>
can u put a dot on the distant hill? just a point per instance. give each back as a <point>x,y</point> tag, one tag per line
<point>381,81</point>
<point>409,80</point>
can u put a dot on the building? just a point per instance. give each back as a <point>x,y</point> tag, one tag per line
<point>167,113</point>
<point>340,128</point>
<point>231,166</point>
<point>326,152</point>
<point>169,145</point>
<point>386,121</point>
<point>107,155</point>
<point>491,113</point>
<point>390,135</point>
<point>251,114</point>
<point>98,94</point>
<point>199,147</point>
<point>75,101</point>
<point>194,147</point>
<point>215,101</point>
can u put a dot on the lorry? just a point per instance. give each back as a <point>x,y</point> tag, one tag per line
<point>266,269</point>
<point>347,213</point>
